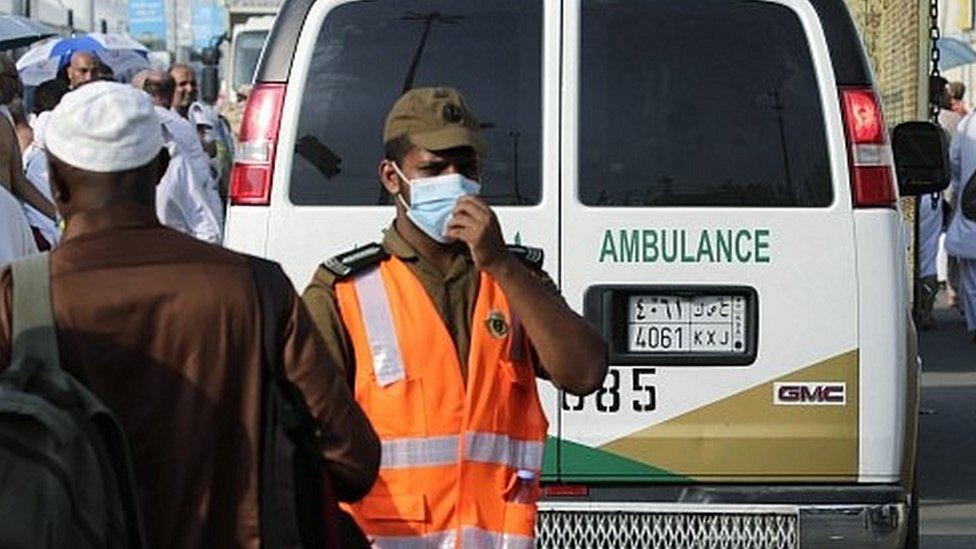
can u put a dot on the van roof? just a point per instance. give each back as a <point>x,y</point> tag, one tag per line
<point>847,55</point>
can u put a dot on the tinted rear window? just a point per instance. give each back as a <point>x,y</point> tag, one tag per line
<point>705,103</point>
<point>490,49</point>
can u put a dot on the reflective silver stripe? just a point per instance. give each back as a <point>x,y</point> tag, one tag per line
<point>476,537</point>
<point>437,540</point>
<point>401,453</point>
<point>471,538</point>
<point>380,331</point>
<point>502,449</point>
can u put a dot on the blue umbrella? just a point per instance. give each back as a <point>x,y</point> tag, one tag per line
<point>63,49</point>
<point>954,53</point>
<point>123,54</point>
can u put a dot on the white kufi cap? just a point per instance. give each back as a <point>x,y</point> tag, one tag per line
<point>104,127</point>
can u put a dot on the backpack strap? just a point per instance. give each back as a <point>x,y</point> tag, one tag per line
<point>285,414</point>
<point>36,359</point>
<point>35,345</point>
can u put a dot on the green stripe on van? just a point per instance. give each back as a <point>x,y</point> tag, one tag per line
<point>583,463</point>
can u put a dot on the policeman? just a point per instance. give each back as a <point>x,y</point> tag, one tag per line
<point>443,330</point>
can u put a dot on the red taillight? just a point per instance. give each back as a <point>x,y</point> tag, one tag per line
<point>250,180</point>
<point>872,181</point>
<point>566,490</point>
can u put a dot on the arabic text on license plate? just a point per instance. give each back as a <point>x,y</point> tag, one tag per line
<point>687,324</point>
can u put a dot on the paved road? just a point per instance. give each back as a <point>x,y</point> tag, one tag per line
<point>947,435</point>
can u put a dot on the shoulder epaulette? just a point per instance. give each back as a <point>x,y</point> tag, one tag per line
<point>354,261</point>
<point>532,257</point>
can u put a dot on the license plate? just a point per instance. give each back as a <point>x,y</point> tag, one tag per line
<point>689,324</point>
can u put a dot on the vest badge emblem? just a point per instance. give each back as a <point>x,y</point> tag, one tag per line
<point>497,325</point>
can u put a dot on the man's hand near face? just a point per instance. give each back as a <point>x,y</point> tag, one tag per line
<point>561,338</point>
<point>475,224</point>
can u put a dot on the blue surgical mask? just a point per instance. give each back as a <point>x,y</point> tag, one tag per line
<point>432,201</point>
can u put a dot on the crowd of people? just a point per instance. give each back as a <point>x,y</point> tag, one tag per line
<point>415,358</point>
<point>191,196</point>
<point>944,231</point>
<point>410,364</point>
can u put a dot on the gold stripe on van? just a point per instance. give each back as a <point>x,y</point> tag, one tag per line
<point>800,427</point>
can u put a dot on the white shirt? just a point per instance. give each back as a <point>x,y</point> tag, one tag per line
<point>16,238</point>
<point>961,236</point>
<point>185,135</point>
<point>930,229</point>
<point>182,202</point>
<point>35,168</point>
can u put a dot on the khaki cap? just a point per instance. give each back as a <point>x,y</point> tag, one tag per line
<point>435,119</point>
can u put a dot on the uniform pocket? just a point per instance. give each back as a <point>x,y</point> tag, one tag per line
<point>406,508</point>
<point>403,515</point>
<point>397,410</point>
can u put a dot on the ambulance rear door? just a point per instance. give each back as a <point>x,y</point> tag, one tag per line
<point>706,228</point>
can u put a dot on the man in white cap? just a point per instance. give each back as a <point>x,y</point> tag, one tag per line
<point>167,332</point>
<point>187,198</point>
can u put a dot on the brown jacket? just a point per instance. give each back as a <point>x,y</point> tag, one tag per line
<point>166,331</point>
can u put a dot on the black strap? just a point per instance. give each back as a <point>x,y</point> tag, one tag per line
<point>284,409</point>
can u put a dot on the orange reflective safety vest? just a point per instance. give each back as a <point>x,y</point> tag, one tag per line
<point>450,454</point>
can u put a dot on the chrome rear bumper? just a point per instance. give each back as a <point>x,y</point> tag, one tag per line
<point>728,517</point>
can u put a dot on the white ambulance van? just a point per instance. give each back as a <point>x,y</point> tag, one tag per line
<point>712,185</point>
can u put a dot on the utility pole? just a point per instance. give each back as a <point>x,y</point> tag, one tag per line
<point>171,30</point>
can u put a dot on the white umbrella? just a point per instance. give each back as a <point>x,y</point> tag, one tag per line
<point>120,52</point>
<point>17,31</point>
<point>954,53</point>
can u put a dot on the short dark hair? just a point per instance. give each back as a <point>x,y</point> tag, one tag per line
<point>395,149</point>
<point>48,94</point>
<point>160,89</point>
<point>957,90</point>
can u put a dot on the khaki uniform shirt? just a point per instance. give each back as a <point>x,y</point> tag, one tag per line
<point>166,331</point>
<point>453,293</point>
